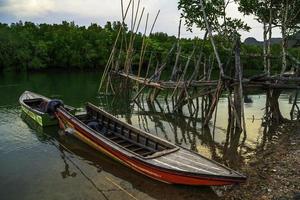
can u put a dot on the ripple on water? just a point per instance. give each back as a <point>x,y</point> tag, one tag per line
<point>15,135</point>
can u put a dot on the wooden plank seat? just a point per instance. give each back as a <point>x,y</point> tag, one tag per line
<point>119,140</point>
<point>136,149</point>
<point>124,136</point>
<point>128,145</point>
<point>124,143</point>
<point>113,137</point>
<point>146,153</point>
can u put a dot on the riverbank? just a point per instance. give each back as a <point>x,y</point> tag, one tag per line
<point>274,173</point>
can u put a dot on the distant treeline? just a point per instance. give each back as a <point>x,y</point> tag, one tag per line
<point>29,46</point>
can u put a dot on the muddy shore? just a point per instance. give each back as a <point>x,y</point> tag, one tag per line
<point>274,171</point>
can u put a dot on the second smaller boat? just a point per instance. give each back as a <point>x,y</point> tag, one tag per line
<point>40,108</point>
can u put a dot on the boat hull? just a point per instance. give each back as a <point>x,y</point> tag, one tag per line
<point>138,165</point>
<point>41,119</point>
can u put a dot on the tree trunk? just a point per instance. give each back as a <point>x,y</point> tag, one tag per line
<point>272,97</point>
<point>208,28</point>
<point>284,37</point>
<point>269,41</point>
<point>265,47</point>
<point>237,89</point>
<point>284,47</point>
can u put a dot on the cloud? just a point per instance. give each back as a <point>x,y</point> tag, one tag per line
<point>101,11</point>
<point>28,8</point>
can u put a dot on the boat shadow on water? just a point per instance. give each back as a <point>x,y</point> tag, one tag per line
<point>71,149</point>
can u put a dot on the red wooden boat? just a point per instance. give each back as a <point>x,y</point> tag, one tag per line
<point>143,152</point>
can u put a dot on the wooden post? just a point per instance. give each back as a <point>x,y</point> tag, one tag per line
<point>295,105</point>
<point>174,72</point>
<point>214,102</point>
<point>238,88</point>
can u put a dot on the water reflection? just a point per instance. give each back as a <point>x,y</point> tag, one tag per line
<point>178,128</point>
<point>66,173</point>
<point>45,135</point>
<point>71,167</point>
<point>72,149</point>
<point>223,143</point>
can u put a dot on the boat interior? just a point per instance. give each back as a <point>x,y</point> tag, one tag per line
<point>36,104</point>
<point>123,135</point>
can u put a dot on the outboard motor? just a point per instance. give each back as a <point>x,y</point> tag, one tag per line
<point>52,105</point>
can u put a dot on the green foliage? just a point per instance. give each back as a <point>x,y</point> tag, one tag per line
<point>284,12</point>
<point>219,22</point>
<point>27,46</point>
<point>259,8</point>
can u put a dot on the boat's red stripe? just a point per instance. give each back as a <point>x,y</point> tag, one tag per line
<point>153,172</point>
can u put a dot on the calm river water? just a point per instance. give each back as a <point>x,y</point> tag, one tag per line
<point>37,163</point>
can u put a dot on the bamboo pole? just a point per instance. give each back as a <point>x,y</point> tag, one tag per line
<point>148,67</point>
<point>139,22</point>
<point>129,51</point>
<point>128,63</point>
<point>132,16</point>
<point>154,21</point>
<point>178,53</point>
<point>146,44</point>
<point>220,65</point>
<point>143,46</point>
<point>136,14</point>
<point>214,102</point>
<point>153,76</point>
<point>208,28</point>
<point>184,72</point>
<point>185,86</point>
<point>113,51</point>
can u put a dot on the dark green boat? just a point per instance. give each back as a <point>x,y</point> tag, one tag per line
<point>35,106</point>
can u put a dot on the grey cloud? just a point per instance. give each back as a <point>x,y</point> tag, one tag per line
<point>100,11</point>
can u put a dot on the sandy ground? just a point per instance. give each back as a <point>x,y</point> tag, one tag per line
<point>273,173</point>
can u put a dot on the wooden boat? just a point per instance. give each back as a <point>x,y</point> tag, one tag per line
<point>143,152</point>
<point>34,105</point>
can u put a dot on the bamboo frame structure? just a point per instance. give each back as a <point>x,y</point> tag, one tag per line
<point>197,89</point>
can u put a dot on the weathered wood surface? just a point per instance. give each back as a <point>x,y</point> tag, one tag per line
<point>274,82</point>
<point>166,84</point>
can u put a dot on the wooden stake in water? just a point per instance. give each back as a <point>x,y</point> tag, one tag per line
<point>108,64</point>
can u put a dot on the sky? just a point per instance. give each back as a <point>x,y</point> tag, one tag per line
<point>100,11</point>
